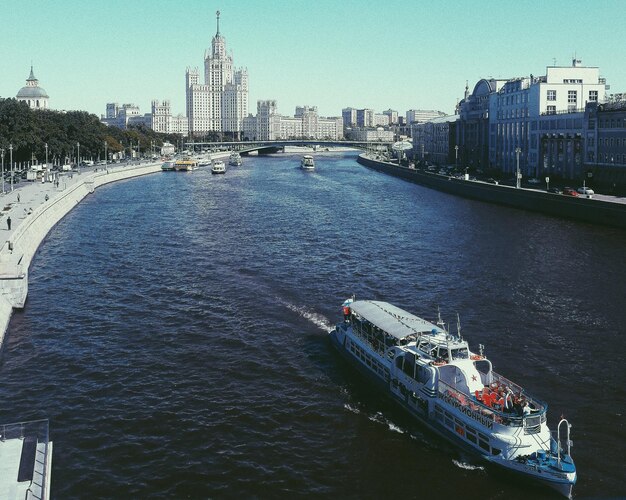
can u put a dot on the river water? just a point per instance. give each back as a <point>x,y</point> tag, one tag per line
<point>175,334</point>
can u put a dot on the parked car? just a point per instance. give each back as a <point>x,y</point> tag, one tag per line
<point>585,190</point>
<point>569,191</point>
<point>555,190</point>
<point>534,181</point>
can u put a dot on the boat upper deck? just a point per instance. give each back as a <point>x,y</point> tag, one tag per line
<point>392,320</point>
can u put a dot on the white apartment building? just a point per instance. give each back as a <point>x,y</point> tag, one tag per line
<point>372,135</point>
<point>421,115</point>
<point>516,110</point>
<point>163,121</point>
<point>381,120</point>
<point>268,125</point>
<point>221,102</point>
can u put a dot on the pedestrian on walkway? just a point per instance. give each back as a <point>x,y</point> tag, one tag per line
<point>18,197</point>
<point>46,197</point>
<point>9,222</point>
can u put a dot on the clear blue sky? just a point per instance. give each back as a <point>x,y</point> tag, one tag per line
<point>329,53</point>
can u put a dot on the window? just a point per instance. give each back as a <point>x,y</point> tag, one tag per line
<point>572,96</point>
<point>551,95</point>
<point>551,110</point>
<point>593,96</point>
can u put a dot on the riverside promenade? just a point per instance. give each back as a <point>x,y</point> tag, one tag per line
<point>34,208</point>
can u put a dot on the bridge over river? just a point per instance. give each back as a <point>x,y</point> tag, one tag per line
<point>267,147</point>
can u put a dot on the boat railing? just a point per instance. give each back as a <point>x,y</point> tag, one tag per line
<point>38,429</point>
<point>476,409</point>
<point>538,406</point>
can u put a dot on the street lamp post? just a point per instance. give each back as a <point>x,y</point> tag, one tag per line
<point>78,156</point>
<point>105,155</point>
<point>11,162</point>
<point>456,156</point>
<point>517,174</point>
<point>46,146</point>
<point>2,153</point>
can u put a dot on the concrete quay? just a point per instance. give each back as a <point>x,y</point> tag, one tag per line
<point>34,208</point>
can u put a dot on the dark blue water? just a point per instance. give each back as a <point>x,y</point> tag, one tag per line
<point>175,334</point>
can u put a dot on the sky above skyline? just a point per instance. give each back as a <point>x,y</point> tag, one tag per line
<point>330,54</point>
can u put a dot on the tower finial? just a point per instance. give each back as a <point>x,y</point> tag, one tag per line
<point>218,21</point>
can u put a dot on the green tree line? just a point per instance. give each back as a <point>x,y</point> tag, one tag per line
<point>29,130</point>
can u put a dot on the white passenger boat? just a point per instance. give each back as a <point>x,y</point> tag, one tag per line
<point>25,460</point>
<point>218,167</point>
<point>455,392</point>
<point>167,165</point>
<point>307,163</point>
<point>235,159</point>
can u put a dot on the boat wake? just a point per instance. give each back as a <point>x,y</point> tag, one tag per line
<point>317,319</point>
<point>380,419</point>
<point>352,409</point>
<point>466,466</point>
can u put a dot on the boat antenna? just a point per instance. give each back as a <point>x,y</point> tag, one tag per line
<point>458,326</point>
<point>439,320</point>
<point>480,349</point>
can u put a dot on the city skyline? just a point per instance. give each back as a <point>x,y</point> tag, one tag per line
<point>408,55</point>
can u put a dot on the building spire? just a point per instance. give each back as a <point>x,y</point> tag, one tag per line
<point>32,74</point>
<point>218,23</point>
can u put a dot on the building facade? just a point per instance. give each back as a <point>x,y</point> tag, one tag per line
<point>268,125</point>
<point>125,115</point>
<point>221,102</point>
<point>421,115</point>
<point>518,108</point>
<point>32,94</point>
<point>473,127</point>
<point>604,134</point>
<point>434,141</point>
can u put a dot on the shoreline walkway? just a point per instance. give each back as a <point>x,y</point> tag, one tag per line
<point>33,209</point>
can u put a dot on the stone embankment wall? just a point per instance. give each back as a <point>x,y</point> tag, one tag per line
<point>17,253</point>
<point>594,211</point>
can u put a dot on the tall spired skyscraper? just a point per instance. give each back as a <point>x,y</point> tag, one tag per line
<point>221,103</point>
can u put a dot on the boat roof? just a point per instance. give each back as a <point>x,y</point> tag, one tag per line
<point>391,319</point>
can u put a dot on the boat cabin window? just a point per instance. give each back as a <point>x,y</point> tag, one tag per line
<point>483,366</point>
<point>460,353</point>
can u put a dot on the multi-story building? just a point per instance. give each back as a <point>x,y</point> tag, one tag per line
<point>516,112</point>
<point>221,103</point>
<point>381,120</point>
<point>32,94</point>
<point>604,135</point>
<point>392,116</point>
<point>349,117</point>
<point>365,117</point>
<point>163,121</point>
<point>371,135</point>
<point>473,126</point>
<point>161,116</point>
<point>125,115</point>
<point>268,125</point>
<point>434,141</point>
<point>421,115</point>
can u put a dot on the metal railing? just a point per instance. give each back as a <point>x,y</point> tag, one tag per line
<point>40,430</point>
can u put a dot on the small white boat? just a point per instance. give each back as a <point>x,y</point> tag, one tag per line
<point>455,392</point>
<point>167,166</point>
<point>307,163</point>
<point>235,159</point>
<point>218,167</point>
